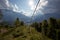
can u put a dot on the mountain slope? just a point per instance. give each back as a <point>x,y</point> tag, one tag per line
<point>10,16</point>
<point>39,17</point>
<point>22,33</point>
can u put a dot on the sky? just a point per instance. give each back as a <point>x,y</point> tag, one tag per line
<point>28,6</point>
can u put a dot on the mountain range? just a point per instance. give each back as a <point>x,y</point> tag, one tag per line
<point>10,16</point>
<point>40,18</point>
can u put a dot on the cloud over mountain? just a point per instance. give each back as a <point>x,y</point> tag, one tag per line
<point>50,6</point>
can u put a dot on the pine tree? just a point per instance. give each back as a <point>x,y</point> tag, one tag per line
<point>58,22</point>
<point>17,22</point>
<point>53,23</point>
<point>45,26</point>
<point>22,23</point>
<point>36,26</point>
<point>40,27</point>
<point>51,29</point>
<point>1,15</point>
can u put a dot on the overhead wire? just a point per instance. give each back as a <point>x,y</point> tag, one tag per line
<point>32,19</point>
<point>33,14</point>
<point>34,11</point>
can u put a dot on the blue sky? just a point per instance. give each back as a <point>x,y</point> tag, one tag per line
<point>28,6</point>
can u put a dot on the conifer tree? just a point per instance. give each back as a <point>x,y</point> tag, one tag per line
<point>22,23</point>
<point>40,27</point>
<point>45,26</point>
<point>17,22</point>
<point>52,26</point>
<point>1,15</point>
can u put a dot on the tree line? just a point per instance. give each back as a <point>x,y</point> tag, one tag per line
<point>49,28</point>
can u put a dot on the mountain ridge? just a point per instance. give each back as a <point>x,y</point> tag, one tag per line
<point>40,18</point>
<point>10,16</point>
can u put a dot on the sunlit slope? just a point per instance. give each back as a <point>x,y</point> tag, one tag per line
<point>22,33</point>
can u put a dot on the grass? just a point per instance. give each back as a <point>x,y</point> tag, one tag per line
<point>23,33</point>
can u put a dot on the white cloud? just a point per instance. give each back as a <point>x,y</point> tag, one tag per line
<point>42,4</point>
<point>7,3</point>
<point>15,8</point>
<point>27,13</point>
<point>51,6</point>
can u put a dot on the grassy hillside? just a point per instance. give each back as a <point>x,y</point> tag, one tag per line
<point>21,33</point>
